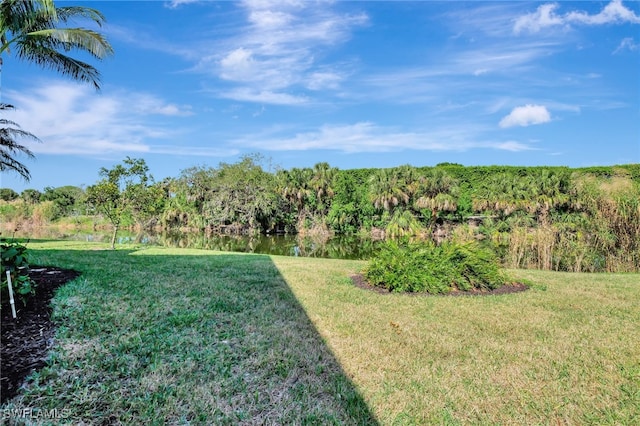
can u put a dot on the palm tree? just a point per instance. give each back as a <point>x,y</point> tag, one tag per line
<point>438,191</point>
<point>502,193</point>
<point>402,224</point>
<point>294,188</point>
<point>10,132</point>
<point>321,183</point>
<point>387,191</point>
<point>440,203</point>
<point>409,177</point>
<point>37,31</point>
<point>551,191</point>
<point>293,185</point>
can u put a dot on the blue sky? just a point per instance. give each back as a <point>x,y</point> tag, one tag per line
<point>356,84</point>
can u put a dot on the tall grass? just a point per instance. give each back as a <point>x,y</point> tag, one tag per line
<point>167,336</point>
<point>603,236</point>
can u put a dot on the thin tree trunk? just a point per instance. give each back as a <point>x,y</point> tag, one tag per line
<point>113,237</point>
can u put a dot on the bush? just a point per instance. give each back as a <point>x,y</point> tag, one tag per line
<point>45,212</point>
<point>436,269</point>
<point>14,259</point>
<point>14,211</point>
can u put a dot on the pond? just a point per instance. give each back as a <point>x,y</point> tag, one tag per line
<point>337,247</point>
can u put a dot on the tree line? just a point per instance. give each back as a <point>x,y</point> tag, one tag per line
<point>556,218</point>
<point>544,217</point>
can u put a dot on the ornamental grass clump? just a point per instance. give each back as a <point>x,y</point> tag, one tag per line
<point>435,269</point>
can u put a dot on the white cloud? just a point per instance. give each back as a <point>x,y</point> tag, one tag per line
<point>613,13</point>
<point>73,119</point>
<point>176,3</point>
<point>499,57</point>
<point>247,94</point>
<point>498,63</point>
<point>512,146</point>
<point>627,43</point>
<point>277,51</point>
<point>269,19</point>
<point>238,65</point>
<point>484,19</point>
<point>545,16</point>
<point>526,116</point>
<point>324,80</point>
<point>148,104</point>
<point>368,137</point>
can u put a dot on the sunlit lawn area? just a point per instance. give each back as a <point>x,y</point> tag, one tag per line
<point>169,336</point>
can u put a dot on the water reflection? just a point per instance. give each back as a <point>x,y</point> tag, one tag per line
<point>337,247</point>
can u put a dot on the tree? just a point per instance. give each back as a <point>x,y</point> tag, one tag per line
<point>550,190</point>
<point>10,147</point>
<point>437,192</point>
<point>38,32</point>
<point>31,196</point>
<point>186,197</point>
<point>402,224</point>
<point>68,200</point>
<point>294,187</point>
<point>242,196</point>
<point>350,205</point>
<point>8,194</point>
<point>387,190</point>
<point>322,185</point>
<point>121,190</point>
<point>536,192</point>
<point>106,198</point>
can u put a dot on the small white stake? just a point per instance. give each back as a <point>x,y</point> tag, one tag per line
<point>11,301</point>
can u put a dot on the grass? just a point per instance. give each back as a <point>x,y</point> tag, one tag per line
<point>168,336</point>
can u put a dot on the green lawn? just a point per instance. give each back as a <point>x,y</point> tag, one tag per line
<point>169,336</point>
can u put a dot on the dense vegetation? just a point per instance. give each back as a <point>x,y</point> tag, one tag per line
<point>434,269</point>
<point>554,218</point>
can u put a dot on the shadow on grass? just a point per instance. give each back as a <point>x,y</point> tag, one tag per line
<point>187,339</point>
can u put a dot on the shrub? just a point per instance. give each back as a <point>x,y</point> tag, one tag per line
<point>14,259</point>
<point>436,269</point>
<point>14,211</point>
<point>45,212</point>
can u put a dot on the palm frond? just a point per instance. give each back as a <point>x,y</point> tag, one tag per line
<point>10,133</point>
<point>38,36</point>
<point>77,38</point>
<point>65,65</point>
<point>67,13</point>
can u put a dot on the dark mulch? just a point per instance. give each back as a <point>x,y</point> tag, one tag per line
<point>27,339</point>
<point>360,281</point>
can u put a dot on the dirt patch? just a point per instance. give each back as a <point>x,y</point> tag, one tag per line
<point>361,282</point>
<point>27,339</point>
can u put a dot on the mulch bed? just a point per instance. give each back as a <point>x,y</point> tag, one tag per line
<point>361,282</point>
<point>27,339</point>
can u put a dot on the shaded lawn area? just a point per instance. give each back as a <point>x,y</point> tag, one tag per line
<point>170,336</point>
<point>199,339</point>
